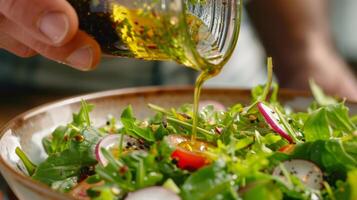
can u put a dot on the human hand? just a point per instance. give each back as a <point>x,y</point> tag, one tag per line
<point>326,67</point>
<point>49,28</point>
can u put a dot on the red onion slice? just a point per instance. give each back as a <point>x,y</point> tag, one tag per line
<point>153,193</point>
<point>272,118</point>
<point>308,172</point>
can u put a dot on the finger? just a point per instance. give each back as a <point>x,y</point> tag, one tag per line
<point>15,47</point>
<point>53,22</point>
<point>82,52</point>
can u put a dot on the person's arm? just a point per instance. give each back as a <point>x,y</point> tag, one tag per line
<point>46,27</point>
<point>296,33</point>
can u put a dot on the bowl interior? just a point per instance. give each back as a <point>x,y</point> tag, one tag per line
<point>28,129</point>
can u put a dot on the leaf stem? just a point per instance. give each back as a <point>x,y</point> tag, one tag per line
<point>30,167</point>
<point>204,132</point>
<point>270,80</point>
<point>159,109</point>
<point>170,118</point>
<point>287,126</point>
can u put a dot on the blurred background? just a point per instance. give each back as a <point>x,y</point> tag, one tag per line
<point>25,83</point>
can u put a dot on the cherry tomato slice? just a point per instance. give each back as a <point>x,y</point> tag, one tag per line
<point>189,160</point>
<point>287,148</point>
<point>188,154</point>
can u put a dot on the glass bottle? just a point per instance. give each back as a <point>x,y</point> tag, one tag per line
<point>196,33</point>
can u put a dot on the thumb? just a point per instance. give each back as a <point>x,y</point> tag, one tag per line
<point>53,22</point>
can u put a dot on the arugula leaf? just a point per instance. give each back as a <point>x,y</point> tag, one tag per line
<point>82,118</point>
<point>317,126</point>
<point>352,181</point>
<point>105,194</point>
<point>339,118</point>
<point>319,95</point>
<point>131,127</point>
<point>327,122</point>
<point>263,190</point>
<point>68,163</point>
<point>59,141</point>
<point>347,190</point>
<point>210,182</point>
<point>139,171</point>
<point>332,156</point>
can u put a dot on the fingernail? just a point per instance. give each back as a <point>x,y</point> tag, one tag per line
<point>55,26</point>
<point>81,58</point>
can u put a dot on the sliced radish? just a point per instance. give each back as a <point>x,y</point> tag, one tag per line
<point>272,118</point>
<point>153,193</point>
<point>308,173</point>
<point>217,106</point>
<point>111,142</point>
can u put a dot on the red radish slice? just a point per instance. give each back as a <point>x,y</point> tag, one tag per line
<point>308,173</point>
<point>153,193</point>
<point>111,141</point>
<point>216,105</point>
<point>272,118</point>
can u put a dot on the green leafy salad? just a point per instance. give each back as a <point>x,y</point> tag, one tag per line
<point>259,151</point>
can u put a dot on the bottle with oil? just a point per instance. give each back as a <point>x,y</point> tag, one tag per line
<point>200,34</point>
<point>196,33</point>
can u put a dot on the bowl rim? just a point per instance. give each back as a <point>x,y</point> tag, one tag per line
<point>42,188</point>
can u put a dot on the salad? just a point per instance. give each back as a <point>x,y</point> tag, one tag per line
<point>263,150</point>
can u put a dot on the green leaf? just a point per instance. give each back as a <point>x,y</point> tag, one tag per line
<point>263,190</point>
<point>339,119</point>
<point>317,126</point>
<point>131,128</point>
<point>210,182</point>
<point>105,194</point>
<point>331,156</point>
<point>58,142</point>
<point>171,185</point>
<point>319,95</point>
<point>352,181</point>
<point>82,118</point>
<point>30,167</point>
<point>68,163</point>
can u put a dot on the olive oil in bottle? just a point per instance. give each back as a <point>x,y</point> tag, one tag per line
<point>200,34</point>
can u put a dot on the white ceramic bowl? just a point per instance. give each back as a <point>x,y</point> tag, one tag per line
<point>28,129</point>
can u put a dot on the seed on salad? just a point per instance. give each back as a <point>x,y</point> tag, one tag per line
<point>79,138</point>
<point>123,170</point>
<point>164,122</point>
<point>174,161</point>
<point>252,118</point>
